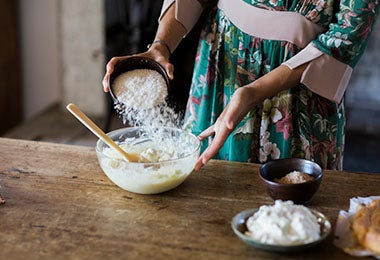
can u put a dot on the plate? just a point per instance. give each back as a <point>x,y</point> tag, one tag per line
<point>239,227</point>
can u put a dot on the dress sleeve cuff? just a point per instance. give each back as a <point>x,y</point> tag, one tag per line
<point>187,12</point>
<point>324,75</point>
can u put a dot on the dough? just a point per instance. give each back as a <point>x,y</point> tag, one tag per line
<point>366,226</point>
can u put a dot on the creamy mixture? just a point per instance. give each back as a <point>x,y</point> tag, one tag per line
<point>162,174</point>
<point>283,223</point>
<point>147,150</point>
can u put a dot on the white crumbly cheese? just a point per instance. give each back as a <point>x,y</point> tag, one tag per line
<point>140,88</point>
<point>283,223</point>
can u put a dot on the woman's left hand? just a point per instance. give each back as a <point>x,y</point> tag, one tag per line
<point>242,101</point>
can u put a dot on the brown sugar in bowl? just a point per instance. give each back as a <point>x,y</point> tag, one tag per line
<point>299,193</point>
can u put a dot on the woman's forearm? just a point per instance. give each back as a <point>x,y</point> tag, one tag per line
<point>243,100</point>
<point>170,31</point>
<point>279,79</point>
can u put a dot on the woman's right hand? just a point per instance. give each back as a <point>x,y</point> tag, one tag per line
<point>156,52</point>
<point>169,31</point>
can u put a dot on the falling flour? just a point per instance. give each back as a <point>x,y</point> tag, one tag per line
<point>141,96</point>
<point>140,88</point>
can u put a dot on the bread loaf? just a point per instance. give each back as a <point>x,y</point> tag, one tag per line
<point>366,226</point>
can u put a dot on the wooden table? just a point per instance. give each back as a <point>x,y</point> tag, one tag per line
<point>60,205</point>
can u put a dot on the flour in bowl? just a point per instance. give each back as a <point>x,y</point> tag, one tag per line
<point>141,96</point>
<point>140,88</point>
<point>283,223</point>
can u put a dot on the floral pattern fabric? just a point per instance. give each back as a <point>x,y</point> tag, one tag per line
<point>293,123</point>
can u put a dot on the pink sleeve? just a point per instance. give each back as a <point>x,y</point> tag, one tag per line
<point>324,75</point>
<point>187,12</point>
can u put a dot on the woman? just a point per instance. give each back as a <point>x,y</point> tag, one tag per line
<point>269,75</point>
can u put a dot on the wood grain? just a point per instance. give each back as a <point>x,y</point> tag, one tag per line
<point>60,205</point>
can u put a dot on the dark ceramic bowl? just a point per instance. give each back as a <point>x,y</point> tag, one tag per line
<point>134,63</point>
<point>298,193</point>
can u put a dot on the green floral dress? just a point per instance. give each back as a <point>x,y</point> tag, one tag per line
<point>296,122</point>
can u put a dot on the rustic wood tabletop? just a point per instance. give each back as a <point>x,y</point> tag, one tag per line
<point>60,205</point>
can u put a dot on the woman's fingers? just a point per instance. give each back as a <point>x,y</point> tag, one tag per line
<point>206,133</point>
<point>217,142</point>
<point>157,56</point>
<point>109,69</point>
<point>233,113</point>
<point>169,70</point>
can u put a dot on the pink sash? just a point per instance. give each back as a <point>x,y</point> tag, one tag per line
<point>271,25</point>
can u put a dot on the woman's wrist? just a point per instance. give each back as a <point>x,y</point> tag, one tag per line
<point>279,79</point>
<point>169,33</point>
<point>161,46</point>
<point>255,93</point>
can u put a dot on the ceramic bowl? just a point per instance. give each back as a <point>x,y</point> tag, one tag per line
<point>239,227</point>
<point>149,177</point>
<point>298,193</point>
<point>134,63</point>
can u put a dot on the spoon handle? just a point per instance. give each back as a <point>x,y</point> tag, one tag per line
<point>98,132</point>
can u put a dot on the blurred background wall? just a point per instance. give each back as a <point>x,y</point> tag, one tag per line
<point>363,93</point>
<point>10,67</point>
<point>53,52</point>
<point>40,42</point>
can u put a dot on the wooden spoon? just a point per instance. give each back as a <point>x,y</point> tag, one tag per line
<point>131,157</point>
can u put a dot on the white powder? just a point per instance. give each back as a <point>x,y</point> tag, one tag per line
<point>283,224</point>
<point>140,88</point>
<point>141,94</point>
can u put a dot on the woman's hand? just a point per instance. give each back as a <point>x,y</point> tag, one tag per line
<point>169,31</point>
<point>240,104</point>
<point>156,52</point>
<point>242,101</point>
